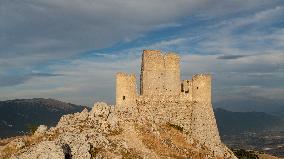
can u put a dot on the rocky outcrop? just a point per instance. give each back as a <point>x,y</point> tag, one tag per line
<point>106,132</point>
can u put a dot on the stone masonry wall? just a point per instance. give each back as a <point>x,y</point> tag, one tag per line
<point>186,89</point>
<point>201,88</point>
<point>160,74</point>
<point>165,99</point>
<point>204,126</point>
<point>152,72</point>
<point>125,90</point>
<point>172,74</point>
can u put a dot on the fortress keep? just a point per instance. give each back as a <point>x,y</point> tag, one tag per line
<point>160,78</point>
<point>165,98</point>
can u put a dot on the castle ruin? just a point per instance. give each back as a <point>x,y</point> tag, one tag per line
<point>165,98</point>
<point>160,78</point>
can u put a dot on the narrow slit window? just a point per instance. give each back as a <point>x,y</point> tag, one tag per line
<point>123,97</point>
<point>196,87</point>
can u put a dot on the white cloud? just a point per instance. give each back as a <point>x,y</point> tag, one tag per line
<point>37,32</point>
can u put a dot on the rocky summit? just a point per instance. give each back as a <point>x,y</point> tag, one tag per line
<point>105,132</point>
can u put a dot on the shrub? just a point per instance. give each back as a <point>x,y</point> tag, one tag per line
<point>32,128</point>
<point>243,154</point>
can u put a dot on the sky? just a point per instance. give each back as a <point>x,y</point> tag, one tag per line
<point>71,49</point>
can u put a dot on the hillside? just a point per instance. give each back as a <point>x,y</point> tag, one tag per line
<point>105,132</point>
<point>19,115</point>
<point>237,122</point>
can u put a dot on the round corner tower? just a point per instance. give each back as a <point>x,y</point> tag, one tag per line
<point>204,126</point>
<point>201,88</point>
<point>125,89</point>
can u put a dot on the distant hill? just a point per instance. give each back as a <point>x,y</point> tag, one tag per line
<point>236,122</point>
<point>17,116</point>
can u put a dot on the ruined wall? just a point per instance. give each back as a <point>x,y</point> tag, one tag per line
<point>186,89</point>
<point>204,126</point>
<point>152,73</point>
<point>201,88</point>
<point>125,90</point>
<point>172,74</point>
<point>165,99</point>
<point>160,74</point>
<point>203,122</point>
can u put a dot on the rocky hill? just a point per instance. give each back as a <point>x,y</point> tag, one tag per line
<point>19,115</point>
<point>106,133</point>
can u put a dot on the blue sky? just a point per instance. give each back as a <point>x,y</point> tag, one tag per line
<point>71,49</point>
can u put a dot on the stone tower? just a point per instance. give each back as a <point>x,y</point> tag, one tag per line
<point>160,74</point>
<point>125,90</point>
<point>203,124</point>
<point>201,88</point>
<point>172,74</point>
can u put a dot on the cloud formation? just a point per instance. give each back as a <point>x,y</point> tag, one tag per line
<point>71,49</point>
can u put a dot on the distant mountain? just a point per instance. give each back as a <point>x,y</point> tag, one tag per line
<point>19,115</point>
<point>279,112</point>
<point>236,122</point>
<point>252,104</point>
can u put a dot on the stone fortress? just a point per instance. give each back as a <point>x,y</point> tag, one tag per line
<point>169,118</point>
<point>160,78</point>
<point>165,98</point>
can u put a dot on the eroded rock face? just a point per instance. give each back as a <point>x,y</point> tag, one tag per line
<point>105,132</point>
<point>43,150</point>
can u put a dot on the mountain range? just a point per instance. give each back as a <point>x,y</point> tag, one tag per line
<point>237,122</point>
<point>18,116</point>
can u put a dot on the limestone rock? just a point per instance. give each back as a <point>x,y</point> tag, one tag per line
<point>78,143</point>
<point>44,150</point>
<point>41,130</point>
<point>18,143</point>
<point>101,110</point>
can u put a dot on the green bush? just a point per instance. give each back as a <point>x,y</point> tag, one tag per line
<point>32,128</point>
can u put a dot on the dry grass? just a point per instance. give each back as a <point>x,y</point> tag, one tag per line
<point>9,149</point>
<point>266,156</point>
<point>171,143</point>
